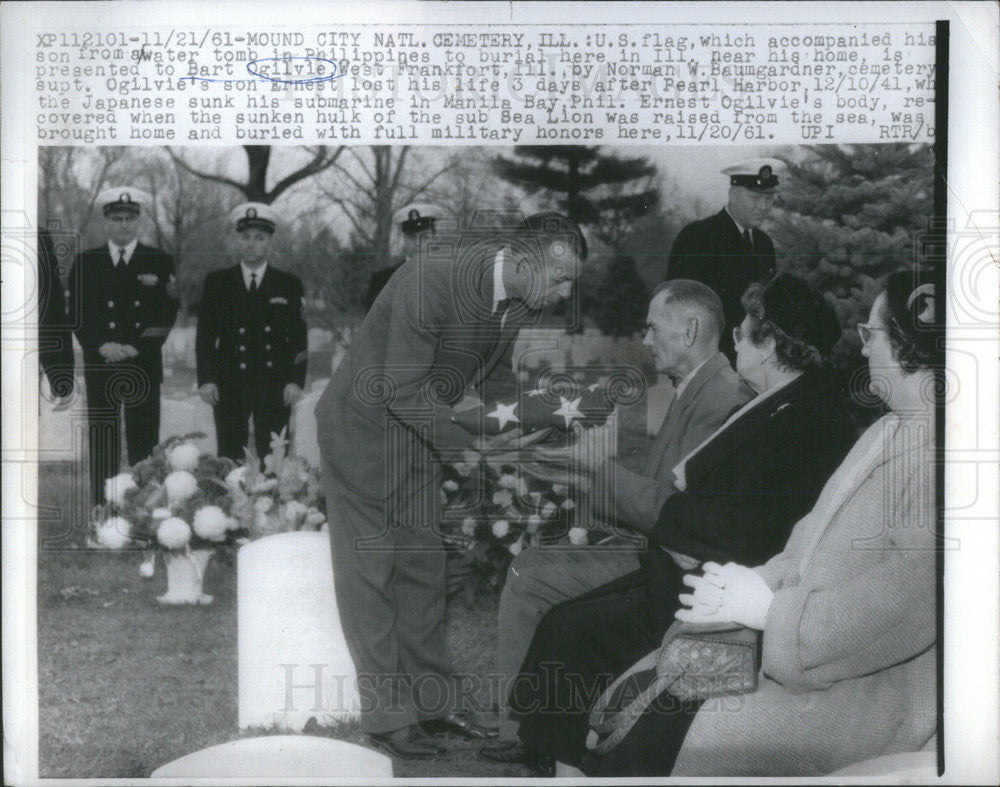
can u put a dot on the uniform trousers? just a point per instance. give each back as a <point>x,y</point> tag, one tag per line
<point>389,577</point>
<point>114,390</point>
<point>537,580</point>
<point>264,403</point>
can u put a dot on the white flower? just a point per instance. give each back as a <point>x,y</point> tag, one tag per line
<point>173,533</point>
<point>161,513</point>
<point>147,569</point>
<point>294,509</point>
<point>503,498</point>
<point>549,509</point>
<point>183,456</point>
<point>578,535</point>
<point>180,485</point>
<point>264,486</point>
<point>210,523</point>
<point>508,481</point>
<point>450,486</point>
<point>469,526</point>
<point>568,504</point>
<point>314,516</point>
<point>534,522</point>
<point>559,489</point>
<point>262,504</point>
<point>463,468</point>
<point>325,528</point>
<point>516,547</point>
<point>236,477</point>
<point>114,532</point>
<point>501,528</point>
<point>116,487</point>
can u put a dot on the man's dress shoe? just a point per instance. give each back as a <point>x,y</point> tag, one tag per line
<point>461,724</point>
<point>516,753</point>
<point>408,743</point>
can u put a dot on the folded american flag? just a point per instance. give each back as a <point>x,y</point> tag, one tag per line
<point>558,405</point>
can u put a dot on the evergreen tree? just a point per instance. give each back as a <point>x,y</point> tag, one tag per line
<point>620,308</point>
<point>602,191</point>
<point>848,215</point>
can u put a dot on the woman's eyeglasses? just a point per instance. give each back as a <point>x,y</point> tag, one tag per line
<point>867,330</point>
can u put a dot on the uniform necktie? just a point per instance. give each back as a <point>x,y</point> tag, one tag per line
<point>748,237</point>
<point>253,283</point>
<point>121,258</point>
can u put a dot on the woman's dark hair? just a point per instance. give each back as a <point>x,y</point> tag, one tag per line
<point>915,329</point>
<point>803,325</point>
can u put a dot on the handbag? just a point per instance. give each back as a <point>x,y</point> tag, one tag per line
<point>695,661</point>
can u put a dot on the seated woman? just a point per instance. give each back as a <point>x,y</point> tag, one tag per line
<point>847,609</point>
<point>740,493</point>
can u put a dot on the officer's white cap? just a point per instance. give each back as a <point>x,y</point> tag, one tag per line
<point>418,216</point>
<point>756,174</point>
<point>257,215</point>
<point>123,199</point>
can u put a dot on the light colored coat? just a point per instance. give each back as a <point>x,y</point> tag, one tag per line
<point>849,641</point>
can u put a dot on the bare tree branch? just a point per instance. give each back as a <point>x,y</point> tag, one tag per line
<point>204,175</point>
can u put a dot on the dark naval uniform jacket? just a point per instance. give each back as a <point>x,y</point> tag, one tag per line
<point>251,347</point>
<point>134,304</point>
<point>714,252</point>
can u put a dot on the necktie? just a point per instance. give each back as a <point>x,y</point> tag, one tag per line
<point>121,258</point>
<point>253,283</point>
<point>748,237</point>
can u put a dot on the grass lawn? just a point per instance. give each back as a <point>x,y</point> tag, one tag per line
<point>126,685</point>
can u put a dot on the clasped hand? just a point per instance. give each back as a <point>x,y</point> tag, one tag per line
<point>113,352</point>
<point>729,593</point>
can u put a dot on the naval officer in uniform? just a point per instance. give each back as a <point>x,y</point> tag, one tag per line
<point>729,251</point>
<point>251,340</point>
<point>123,303</point>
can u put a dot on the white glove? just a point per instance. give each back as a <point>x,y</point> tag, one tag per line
<point>729,593</point>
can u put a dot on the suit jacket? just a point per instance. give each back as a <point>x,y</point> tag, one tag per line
<point>849,661</point>
<point>248,341</point>
<point>714,252</point>
<point>387,411</point>
<point>703,406</point>
<point>753,481</point>
<point>129,305</point>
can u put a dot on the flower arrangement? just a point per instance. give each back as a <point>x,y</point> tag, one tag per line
<point>175,501</point>
<point>277,495</point>
<point>491,512</point>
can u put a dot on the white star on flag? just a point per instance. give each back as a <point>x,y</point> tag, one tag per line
<point>568,409</point>
<point>593,387</point>
<point>504,414</point>
<point>535,392</point>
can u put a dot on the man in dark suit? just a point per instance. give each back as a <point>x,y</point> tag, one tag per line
<point>384,423</point>
<point>729,251</point>
<point>251,340</point>
<point>682,332</point>
<point>412,221</point>
<point>123,303</point>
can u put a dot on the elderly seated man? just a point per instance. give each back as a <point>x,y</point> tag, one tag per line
<point>684,324</point>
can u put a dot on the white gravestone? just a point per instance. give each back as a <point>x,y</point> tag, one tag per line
<point>279,756</point>
<point>183,416</point>
<point>293,659</point>
<point>303,428</point>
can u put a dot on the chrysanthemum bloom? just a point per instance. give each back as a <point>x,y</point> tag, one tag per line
<point>183,456</point>
<point>516,547</point>
<point>450,486</point>
<point>293,510</point>
<point>508,481</point>
<point>210,523</point>
<point>501,528</point>
<point>559,489</point>
<point>568,504</point>
<point>235,477</point>
<point>173,533</point>
<point>180,485</point>
<point>549,509</point>
<point>314,516</point>
<point>578,535</point>
<point>503,498</point>
<point>463,468</point>
<point>114,532</point>
<point>116,487</point>
<point>469,526</point>
<point>147,569</point>
<point>263,504</point>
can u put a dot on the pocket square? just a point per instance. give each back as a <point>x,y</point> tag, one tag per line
<point>282,301</point>
<point>148,279</point>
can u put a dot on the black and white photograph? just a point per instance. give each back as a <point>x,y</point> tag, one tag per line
<point>483,445</point>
